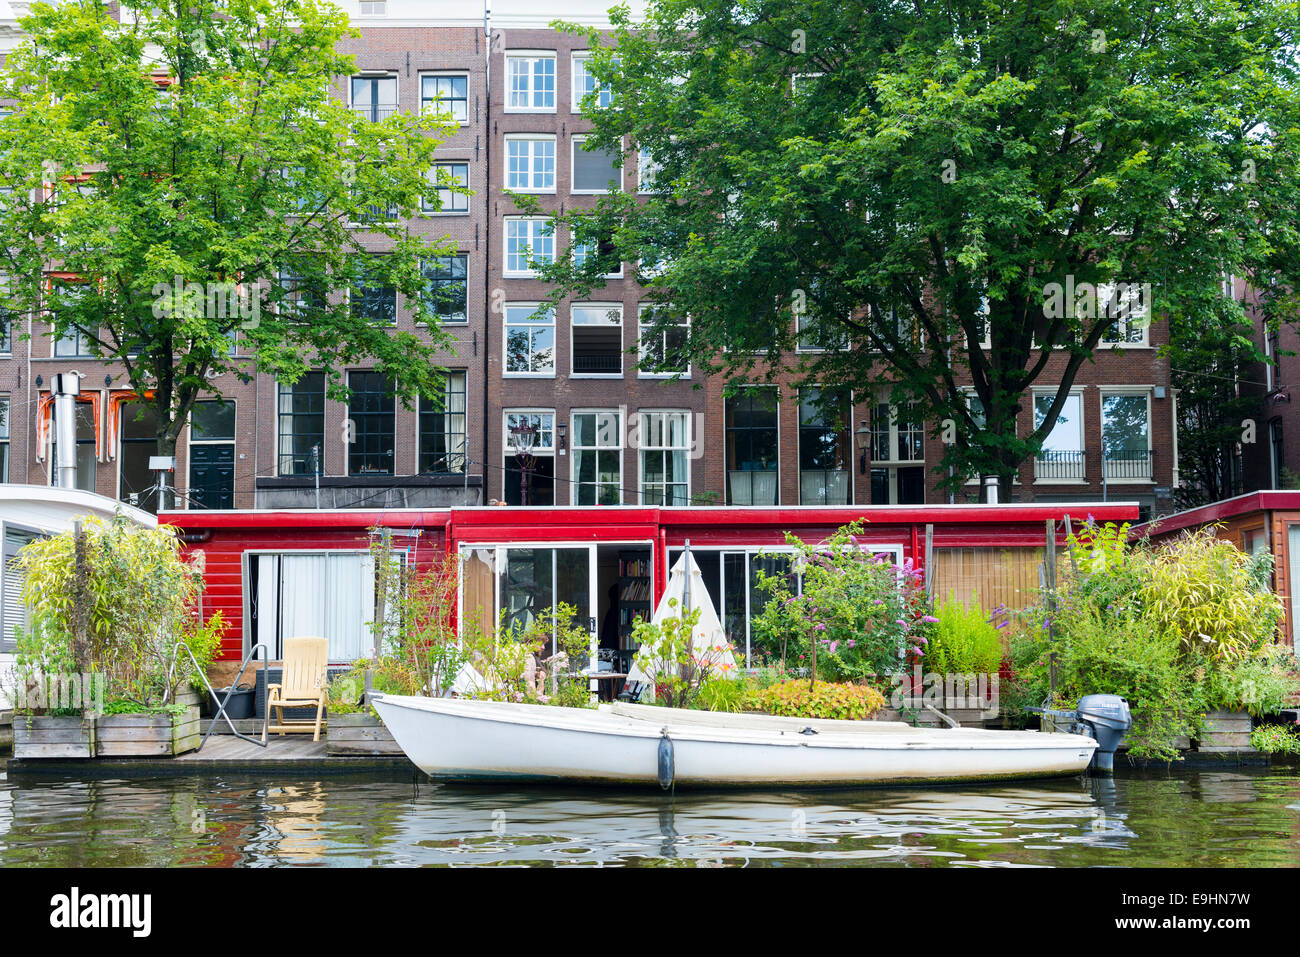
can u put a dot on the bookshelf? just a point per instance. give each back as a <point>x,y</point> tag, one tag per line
<point>634,595</point>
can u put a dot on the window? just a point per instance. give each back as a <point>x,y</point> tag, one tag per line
<point>530,164</point>
<point>529,340</point>
<point>1062,456</point>
<point>597,458</point>
<point>372,415</point>
<point>823,447</point>
<point>4,438</point>
<point>448,283</point>
<point>1126,436</point>
<point>301,413</point>
<point>530,477</point>
<point>371,298</point>
<point>313,593</point>
<point>1130,308</point>
<point>442,429</point>
<point>297,299</point>
<point>212,455</point>
<point>813,337</point>
<point>530,82</point>
<point>897,454</point>
<point>73,343</point>
<point>751,445</point>
<point>446,94</point>
<point>646,170</point>
<point>1275,450</point>
<point>12,577</point>
<point>7,318</point>
<point>584,82</point>
<point>451,200</point>
<point>597,338</point>
<point>138,441</point>
<point>374,8</point>
<point>665,443</point>
<point>84,453</point>
<point>528,239</point>
<point>595,170</point>
<point>663,336</point>
<point>605,254</point>
<point>374,98</point>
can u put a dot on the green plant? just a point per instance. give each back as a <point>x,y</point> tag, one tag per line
<point>963,641</point>
<point>722,694</point>
<point>669,655</point>
<point>856,615</point>
<point>514,661</point>
<point>823,699</point>
<point>1260,684</point>
<point>1275,739</point>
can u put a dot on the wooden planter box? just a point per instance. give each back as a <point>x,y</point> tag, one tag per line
<point>1225,731</point>
<point>147,735</point>
<point>358,734</point>
<point>46,737</point>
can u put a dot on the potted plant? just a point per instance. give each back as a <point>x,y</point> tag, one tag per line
<point>54,708</point>
<point>1241,690</point>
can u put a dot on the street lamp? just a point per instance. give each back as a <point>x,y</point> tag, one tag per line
<point>523,437</point>
<point>863,434</point>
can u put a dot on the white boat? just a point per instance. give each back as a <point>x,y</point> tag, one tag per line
<point>468,740</point>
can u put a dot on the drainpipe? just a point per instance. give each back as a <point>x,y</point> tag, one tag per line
<point>487,260</point>
<point>66,387</point>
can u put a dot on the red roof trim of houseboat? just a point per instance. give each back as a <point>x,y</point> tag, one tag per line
<point>1270,500</point>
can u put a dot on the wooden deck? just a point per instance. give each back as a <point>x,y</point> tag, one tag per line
<point>225,753</point>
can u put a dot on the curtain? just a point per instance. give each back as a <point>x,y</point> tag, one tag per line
<point>329,596</point>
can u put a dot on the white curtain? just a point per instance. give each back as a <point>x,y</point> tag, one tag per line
<point>329,596</point>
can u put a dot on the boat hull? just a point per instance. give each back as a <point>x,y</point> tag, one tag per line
<point>465,740</point>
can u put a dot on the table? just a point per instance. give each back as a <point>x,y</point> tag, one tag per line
<point>605,692</point>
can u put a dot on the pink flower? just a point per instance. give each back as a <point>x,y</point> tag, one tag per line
<point>931,619</point>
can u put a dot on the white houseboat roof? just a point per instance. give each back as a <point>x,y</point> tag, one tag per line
<point>44,508</point>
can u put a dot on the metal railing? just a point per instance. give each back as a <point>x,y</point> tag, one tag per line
<point>596,363</point>
<point>1131,464</point>
<point>374,112</point>
<point>1060,465</point>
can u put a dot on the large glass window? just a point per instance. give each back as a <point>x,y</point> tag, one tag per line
<point>664,335</point>
<point>374,98</point>
<point>301,413</point>
<point>372,414</point>
<point>526,240</point>
<point>448,94</point>
<point>823,447</point>
<point>453,198</point>
<point>594,170</point>
<point>448,283</point>
<point>584,82</point>
<point>1062,457</point>
<point>139,441</point>
<point>1126,436</point>
<point>529,340</point>
<point>665,443</point>
<point>751,443</point>
<point>212,455</point>
<point>597,458</point>
<point>442,429</point>
<point>530,82</point>
<point>531,476</point>
<point>371,298</point>
<point>530,164</point>
<point>313,593</point>
<point>597,338</point>
<point>897,454</point>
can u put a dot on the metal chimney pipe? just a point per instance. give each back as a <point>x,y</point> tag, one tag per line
<point>66,387</point>
<point>991,489</point>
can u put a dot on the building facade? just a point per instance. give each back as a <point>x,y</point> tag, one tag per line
<point>548,406</point>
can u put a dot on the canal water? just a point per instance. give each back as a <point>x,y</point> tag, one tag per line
<point>1219,818</point>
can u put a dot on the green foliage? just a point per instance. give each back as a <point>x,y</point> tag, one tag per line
<point>1261,684</point>
<point>822,700</point>
<point>855,161</point>
<point>515,663</point>
<point>857,616</point>
<point>126,706</point>
<point>667,654</point>
<point>1275,739</point>
<point>722,694</point>
<point>137,600</point>
<point>241,176</point>
<point>964,641</point>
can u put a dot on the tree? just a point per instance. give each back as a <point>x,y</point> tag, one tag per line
<point>184,175</point>
<point>911,180</point>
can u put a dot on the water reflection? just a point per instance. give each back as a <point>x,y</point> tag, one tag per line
<point>1220,818</point>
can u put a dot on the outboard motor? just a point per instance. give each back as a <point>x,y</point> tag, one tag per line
<point>1103,717</point>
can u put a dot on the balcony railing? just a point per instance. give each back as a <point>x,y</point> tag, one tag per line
<point>1133,465</point>
<point>374,112</point>
<point>1060,466</point>
<point>598,364</point>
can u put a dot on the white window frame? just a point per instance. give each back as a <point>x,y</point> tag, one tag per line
<point>1143,391</point>
<point>576,142</point>
<point>377,75</point>
<point>645,164</point>
<point>641,345</point>
<point>250,633</point>
<point>530,56</point>
<point>443,211</point>
<point>505,341</point>
<point>643,446</point>
<point>537,223</point>
<point>532,156</point>
<point>1142,322</point>
<point>6,437</point>
<point>598,448</point>
<point>575,104</point>
<point>573,255</point>
<point>1048,392</point>
<point>434,74</point>
<point>607,307</point>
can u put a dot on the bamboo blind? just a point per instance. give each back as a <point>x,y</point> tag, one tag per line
<point>999,576</point>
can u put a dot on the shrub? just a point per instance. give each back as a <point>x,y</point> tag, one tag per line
<point>1275,739</point>
<point>668,655</point>
<point>1260,684</point>
<point>964,641</point>
<point>823,700</point>
<point>722,694</point>
<point>857,615</point>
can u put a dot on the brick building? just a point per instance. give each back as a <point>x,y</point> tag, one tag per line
<point>565,383</point>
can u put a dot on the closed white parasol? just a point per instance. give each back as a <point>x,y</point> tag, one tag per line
<point>686,591</point>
